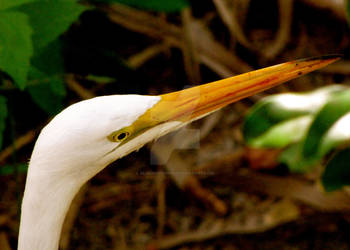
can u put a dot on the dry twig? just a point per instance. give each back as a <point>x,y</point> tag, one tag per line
<point>18,144</point>
<point>71,216</point>
<point>161,208</point>
<point>210,52</point>
<point>284,29</point>
<point>82,92</point>
<point>4,242</point>
<point>228,16</point>
<point>336,6</point>
<point>190,54</point>
<point>290,187</point>
<point>258,220</point>
<point>137,60</point>
<point>214,55</point>
<point>228,171</point>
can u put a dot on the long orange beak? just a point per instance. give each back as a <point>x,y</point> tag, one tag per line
<point>193,103</point>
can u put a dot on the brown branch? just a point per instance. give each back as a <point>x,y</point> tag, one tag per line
<point>144,23</point>
<point>294,188</point>
<point>18,144</point>
<point>205,195</point>
<point>82,92</point>
<point>284,29</point>
<point>71,217</point>
<point>229,17</point>
<point>137,60</point>
<point>161,208</point>
<point>259,220</point>
<point>4,242</point>
<point>190,54</point>
<point>228,170</point>
<point>210,52</point>
<point>336,6</point>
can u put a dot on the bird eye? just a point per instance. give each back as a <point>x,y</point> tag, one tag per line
<point>121,136</point>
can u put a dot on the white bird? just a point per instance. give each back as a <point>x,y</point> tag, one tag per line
<point>87,136</point>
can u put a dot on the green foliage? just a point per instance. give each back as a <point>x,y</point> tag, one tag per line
<point>49,59</point>
<point>276,110</point>
<point>276,137</point>
<point>25,29</point>
<point>15,46</point>
<point>307,126</point>
<point>30,49</point>
<point>337,173</point>
<point>7,4</point>
<point>11,169</point>
<point>47,91</point>
<point>100,79</point>
<point>49,19</point>
<point>154,5</point>
<point>324,120</point>
<point>30,27</point>
<point>293,158</point>
<point>347,10</point>
<point>47,87</point>
<point>3,115</point>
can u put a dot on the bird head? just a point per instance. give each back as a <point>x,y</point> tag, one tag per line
<point>87,136</point>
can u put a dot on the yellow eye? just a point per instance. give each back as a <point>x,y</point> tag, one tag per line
<point>119,136</point>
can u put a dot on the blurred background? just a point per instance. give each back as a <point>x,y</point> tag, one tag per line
<point>216,193</point>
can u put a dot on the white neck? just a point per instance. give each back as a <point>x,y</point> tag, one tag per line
<point>45,203</point>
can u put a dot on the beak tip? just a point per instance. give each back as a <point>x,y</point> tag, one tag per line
<point>330,57</point>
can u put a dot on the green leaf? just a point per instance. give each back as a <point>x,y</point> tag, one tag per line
<point>15,46</point>
<point>50,19</point>
<point>285,125</point>
<point>11,169</point>
<point>308,138</point>
<point>100,79</point>
<point>336,136</point>
<point>6,4</point>
<point>279,108</point>
<point>3,115</point>
<point>45,98</point>
<point>50,60</point>
<point>292,156</point>
<point>153,5</point>
<point>347,10</point>
<point>324,120</point>
<point>47,91</point>
<point>337,173</point>
<point>283,134</point>
<point>58,88</point>
<point>265,115</point>
<point>46,73</point>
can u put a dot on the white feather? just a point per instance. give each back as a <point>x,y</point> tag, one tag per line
<point>70,150</point>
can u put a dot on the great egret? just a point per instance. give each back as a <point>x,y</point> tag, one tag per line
<point>87,136</point>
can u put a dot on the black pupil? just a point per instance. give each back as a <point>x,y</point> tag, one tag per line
<point>121,136</point>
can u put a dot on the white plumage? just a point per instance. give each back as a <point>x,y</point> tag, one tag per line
<point>70,150</point>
